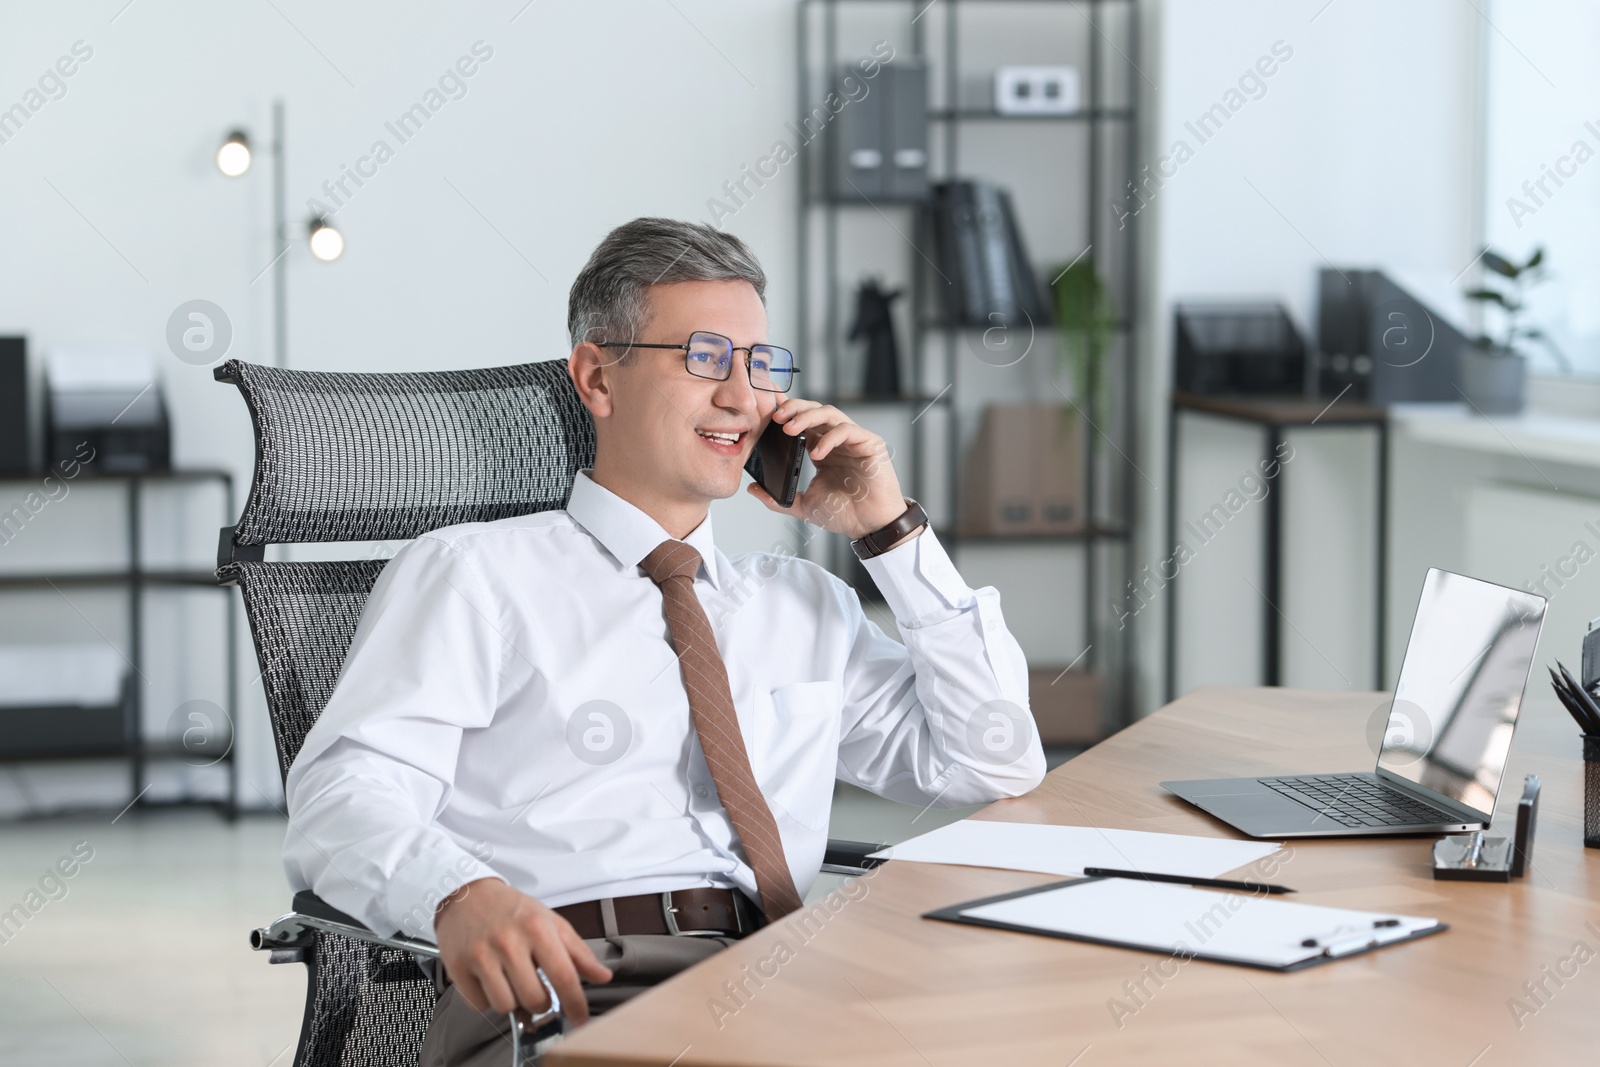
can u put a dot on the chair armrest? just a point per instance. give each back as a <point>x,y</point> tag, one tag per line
<point>311,914</point>
<point>308,903</point>
<point>288,936</point>
<point>849,857</point>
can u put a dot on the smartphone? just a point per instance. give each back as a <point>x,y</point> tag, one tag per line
<point>775,462</point>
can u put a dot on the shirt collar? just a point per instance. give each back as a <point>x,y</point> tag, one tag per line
<point>627,532</point>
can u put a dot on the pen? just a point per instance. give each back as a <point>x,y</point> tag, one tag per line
<point>1330,944</point>
<point>1183,879</point>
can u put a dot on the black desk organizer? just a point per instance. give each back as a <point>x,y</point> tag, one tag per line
<point>1591,742</point>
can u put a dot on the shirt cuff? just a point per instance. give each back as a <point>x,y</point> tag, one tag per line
<point>918,580</point>
<point>417,888</point>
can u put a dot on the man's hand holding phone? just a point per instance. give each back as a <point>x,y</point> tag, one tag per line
<point>491,937</point>
<point>854,490</point>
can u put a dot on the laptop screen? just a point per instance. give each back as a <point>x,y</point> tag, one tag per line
<point>1461,686</point>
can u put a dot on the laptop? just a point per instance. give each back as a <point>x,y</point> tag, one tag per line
<point>1447,738</point>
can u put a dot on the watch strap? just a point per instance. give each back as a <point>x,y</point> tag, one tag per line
<point>879,541</point>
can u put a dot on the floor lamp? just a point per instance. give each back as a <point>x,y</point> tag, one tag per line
<point>327,244</point>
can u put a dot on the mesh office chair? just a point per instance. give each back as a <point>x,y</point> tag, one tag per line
<point>382,457</point>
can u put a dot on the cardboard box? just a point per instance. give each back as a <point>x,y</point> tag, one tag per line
<point>1066,707</point>
<point>1024,473</point>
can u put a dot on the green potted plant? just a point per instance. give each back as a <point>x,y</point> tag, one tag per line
<point>1493,374</point>
<point>1086,320</point>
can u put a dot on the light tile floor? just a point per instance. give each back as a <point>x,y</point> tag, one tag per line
<point>144,959</point>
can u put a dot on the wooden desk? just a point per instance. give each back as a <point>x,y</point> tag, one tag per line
<point>875,984</point>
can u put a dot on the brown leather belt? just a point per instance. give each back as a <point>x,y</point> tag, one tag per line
<point>702,912</point>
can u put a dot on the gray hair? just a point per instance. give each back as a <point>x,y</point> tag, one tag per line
<point>610,297</point>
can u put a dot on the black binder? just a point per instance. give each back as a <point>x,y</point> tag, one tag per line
<point>987,277</point>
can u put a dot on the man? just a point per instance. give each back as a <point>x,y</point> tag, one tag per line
<point>561,740</point>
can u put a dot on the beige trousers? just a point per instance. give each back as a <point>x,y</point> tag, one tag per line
<point>461,1036</point>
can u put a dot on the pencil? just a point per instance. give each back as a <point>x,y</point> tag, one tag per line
<point>1575,707</point>
<point>1590,721</point>
<point>1184,879</point>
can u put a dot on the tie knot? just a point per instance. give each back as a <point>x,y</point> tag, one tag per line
<point>671,559</point>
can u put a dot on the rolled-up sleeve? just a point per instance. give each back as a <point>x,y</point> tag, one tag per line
<point>942,719</point>
<point>376,769</point>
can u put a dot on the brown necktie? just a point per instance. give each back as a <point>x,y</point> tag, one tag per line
<point>672,566</point>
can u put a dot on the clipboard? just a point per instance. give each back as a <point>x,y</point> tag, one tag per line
<point>1242,929</point>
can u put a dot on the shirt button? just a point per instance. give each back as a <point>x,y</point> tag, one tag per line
<point>700,791</point>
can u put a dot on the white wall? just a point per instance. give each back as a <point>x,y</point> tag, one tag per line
<point>1542,175</point>
<point>1361,150</point>
<point>460,249</point>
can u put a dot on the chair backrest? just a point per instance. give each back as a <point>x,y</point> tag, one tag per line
<point>302,618</point>
<point>375,457</point>
<point>379,457</point>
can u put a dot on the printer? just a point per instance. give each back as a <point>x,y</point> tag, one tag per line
<point>109,397</point>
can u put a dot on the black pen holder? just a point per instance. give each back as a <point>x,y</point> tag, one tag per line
<point>1591,790</point>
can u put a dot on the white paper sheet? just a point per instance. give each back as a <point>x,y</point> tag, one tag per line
<point>1069,849</point>
<point>1206,922</point>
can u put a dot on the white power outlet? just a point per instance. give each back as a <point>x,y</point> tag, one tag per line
<point>1036,90</point>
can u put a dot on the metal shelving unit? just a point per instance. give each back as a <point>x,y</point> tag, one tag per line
<point>1104,544</point>
<point>137,579</point>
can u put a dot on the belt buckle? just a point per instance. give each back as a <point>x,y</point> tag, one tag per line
<point>668,913</point>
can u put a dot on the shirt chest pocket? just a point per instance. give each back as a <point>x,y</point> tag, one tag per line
<point>795,751</point>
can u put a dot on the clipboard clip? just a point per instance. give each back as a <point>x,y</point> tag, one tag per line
<point>1342,942</point>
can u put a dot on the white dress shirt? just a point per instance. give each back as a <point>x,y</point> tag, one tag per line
<point>511,706</point>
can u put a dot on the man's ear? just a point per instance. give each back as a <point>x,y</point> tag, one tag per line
<point>591,368</point>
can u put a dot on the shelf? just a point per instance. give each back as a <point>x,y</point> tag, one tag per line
<point>1092,533</point>
<point>979,114</point>
<point>184,577</point>
<point>174,750</point>
<point>923,6</point>
<point>82,578</point>
<point>1120,326</point>
<point>883,401</point>
<point>827,256</point>
<point>133,581</point>
<point>87,473</point>
<point>1282,410</point>
<point>877,204</point>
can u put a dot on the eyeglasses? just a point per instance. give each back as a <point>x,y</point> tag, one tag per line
<point>710,355</point>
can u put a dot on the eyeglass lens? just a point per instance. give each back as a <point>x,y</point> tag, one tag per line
<point>711,356</point>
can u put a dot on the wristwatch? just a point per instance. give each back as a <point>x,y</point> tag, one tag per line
<point>878,542</point>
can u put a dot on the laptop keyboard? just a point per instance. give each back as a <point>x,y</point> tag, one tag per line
<point>1355,801</point>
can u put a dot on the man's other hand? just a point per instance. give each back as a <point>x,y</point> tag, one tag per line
<point>491,937</point>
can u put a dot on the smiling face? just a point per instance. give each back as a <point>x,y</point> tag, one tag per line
<point>652,416</point>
